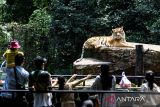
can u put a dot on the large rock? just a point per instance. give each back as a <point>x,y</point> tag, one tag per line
<point>88,66</point>
<point>122,59</point>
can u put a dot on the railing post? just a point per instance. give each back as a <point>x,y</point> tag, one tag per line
<point>139,66</point>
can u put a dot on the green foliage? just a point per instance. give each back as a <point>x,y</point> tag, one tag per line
<point>40,20</point>
<point>37,38</point>
<point>4,39</point>
<point>57,29</point>
<point>17,11</point>
<point>2,2</point>
<point>72,24</point>
<point>41,3</point>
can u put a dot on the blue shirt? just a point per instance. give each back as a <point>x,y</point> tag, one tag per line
<point>10,82</point>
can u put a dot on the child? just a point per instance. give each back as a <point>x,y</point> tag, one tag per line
<point>11,52</point>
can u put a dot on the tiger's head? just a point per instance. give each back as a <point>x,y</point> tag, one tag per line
<point>118,34</point>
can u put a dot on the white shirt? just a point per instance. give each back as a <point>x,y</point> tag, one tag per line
<point>44,99</point>
<point>150,99</point>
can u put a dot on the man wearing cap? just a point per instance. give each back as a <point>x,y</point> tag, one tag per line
<point>11,52</point>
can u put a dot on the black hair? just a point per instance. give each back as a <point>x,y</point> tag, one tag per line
<point>39,61</point>
<point>19,59</point>
<point>13,49</point>
<point>149,76</point>
<point>105,69</point>
<point>61,82</point>
<point>106,78</point>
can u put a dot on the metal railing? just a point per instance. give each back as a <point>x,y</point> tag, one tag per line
<point>117,76</point>
<point>121,97</point>
<point>79,91</point>
<point>136,79</point>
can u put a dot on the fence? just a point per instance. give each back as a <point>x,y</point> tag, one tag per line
<point>136,79</point>
<point>122,97</point>
<point>119,98</point>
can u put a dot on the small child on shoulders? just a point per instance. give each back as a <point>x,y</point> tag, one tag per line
<point>11,52</point>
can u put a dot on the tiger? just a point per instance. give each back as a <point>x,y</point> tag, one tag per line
<point>116,39</point>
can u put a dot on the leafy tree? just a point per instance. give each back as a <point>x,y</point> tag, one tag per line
<point>57,29</point>
<point>37,34</point>
<point>72,24</point>
<point>17,10</point>
<point>4,39</point>
<point>41,3</point>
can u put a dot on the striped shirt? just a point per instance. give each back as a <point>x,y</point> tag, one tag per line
<point>10,57</point>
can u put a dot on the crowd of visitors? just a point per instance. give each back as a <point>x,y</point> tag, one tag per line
<point>39,82</point>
